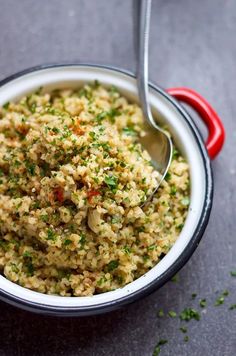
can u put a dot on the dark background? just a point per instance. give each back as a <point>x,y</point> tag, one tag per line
<point>192,44</point>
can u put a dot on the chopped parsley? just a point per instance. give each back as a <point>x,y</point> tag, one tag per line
<point>172,314</point>
<point>221,299</point>
<point>6,105</point>
<point>112,265</point>
<point>111,182</point>
<point>161,313</point>
<point>127,250</point>
<point>175,278</point>
<point>67,242</point>
<point>30,167</point>
<point>157,348</point>
<point>168,176</point>
<point>129,131</point>
<point>82,240</point>
<point>51,235</point>
<point>233,273</point>
<point>183,329</point>
<point>189,313</point>
<point>232,307</point>
<point>202,303</point>
<point>44,217</point>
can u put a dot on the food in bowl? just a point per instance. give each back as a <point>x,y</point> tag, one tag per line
<point>73,180</point>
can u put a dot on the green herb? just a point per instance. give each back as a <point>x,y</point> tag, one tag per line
<point>173,190</point>
<point>202,303</point>
<point>6,105</point>
<point>111,181</point>
<point>82,240</point>
<point>157,348</point>
<point>67,242</point>
<point>175,154</point>
<point>122,164</point>
<point>92,134</point>
<point>185,201</point>
<point>146,258</point>
<point>151,248</point>
<point>186,338</point>
<point>188,314</point>
<point>115,220</point>
<point>194,295</point>
<point>101,281</point>
<point>112,265</point>
<point>127,250</point>
<point>183,329</point>
<point>36,204</point>
<point>175,278</point>
<point>233,273</point>
<point>232,307</point>
<point>221,299</point>
<point>113,89</point>
<point>27,254</point>
<point>44,218</point>
<point>55,130</point>
<point>51,235</point>
<point>168,176</point>
<point>14,268</point>
<point>172,314</point>
<point>180,226</point>
<point>112,114</point>
<point>96,84</point>
<point>161,313</point>
<point>129,131</point>
<point>101,116</point>
<point>30,167</point>
<point>30,269</point>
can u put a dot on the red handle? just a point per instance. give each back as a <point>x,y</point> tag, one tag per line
<point>216,132</point>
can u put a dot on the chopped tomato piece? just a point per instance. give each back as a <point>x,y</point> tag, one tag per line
<point>92,193</point>
<point>77,129</point>
<point>59,194</point>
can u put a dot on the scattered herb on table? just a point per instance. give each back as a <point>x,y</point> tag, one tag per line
<point>221,299</point>
<point>233,273</point>
<point>157,348</point>
<point>183,329</point>
<point>202,303</point>
<point>190,313</point>
<point>175,278</point>
<point>172,314</point>
<point>161,313</point>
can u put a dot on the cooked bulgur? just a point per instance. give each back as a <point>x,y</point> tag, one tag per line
<point>73,179</point>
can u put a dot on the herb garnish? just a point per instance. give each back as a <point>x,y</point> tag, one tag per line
<point>112,265</point>
<point>157,348</point>
<point>111,181</point>
<point>189,313</point>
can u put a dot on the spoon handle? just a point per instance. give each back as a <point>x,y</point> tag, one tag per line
<point>142,14</point>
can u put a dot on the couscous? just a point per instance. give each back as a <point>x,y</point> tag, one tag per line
<point>73,180</point>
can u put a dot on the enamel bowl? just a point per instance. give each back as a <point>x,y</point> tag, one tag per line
<point>187,139</point>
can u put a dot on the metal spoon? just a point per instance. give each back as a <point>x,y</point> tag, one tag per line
<point>156,141</point>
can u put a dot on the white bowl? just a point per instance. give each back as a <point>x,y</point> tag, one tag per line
<point>188,141</point>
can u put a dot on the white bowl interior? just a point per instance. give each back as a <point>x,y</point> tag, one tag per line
<point>75,76</point>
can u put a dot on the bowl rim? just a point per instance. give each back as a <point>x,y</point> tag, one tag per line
<point>182,258</point>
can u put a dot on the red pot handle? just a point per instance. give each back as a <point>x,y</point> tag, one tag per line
<point>216,132</point>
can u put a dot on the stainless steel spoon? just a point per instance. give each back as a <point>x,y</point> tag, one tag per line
<point>156,141</point>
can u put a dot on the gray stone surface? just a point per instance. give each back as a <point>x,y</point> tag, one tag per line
<point>192,44</point>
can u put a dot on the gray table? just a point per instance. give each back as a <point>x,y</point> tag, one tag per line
<point>192,44</point>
